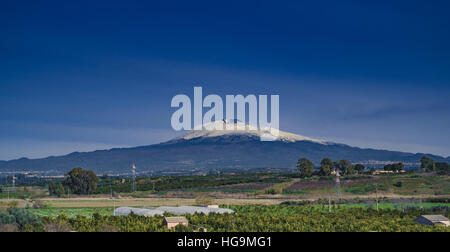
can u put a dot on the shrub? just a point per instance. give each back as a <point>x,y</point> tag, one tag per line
<point>272,191</point>
<point>39,205</point>
<point>6,218</point>
<point>24,217</point>
<point>398,184</point>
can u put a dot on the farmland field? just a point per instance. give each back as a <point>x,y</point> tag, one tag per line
<point>262,202</point>
<point>108,211</point>
<point>251,218</point>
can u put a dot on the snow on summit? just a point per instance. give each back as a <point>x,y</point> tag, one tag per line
<point>214,129</point>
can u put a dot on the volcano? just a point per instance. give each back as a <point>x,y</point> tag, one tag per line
<point>205,150</point>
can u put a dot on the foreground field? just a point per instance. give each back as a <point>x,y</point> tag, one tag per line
<point>262,202</point>
<point>256,218</point>
<point>72,212</point>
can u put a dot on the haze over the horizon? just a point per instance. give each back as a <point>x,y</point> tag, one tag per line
<point>91,75</point>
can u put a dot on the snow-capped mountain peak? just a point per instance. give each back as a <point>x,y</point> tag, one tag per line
<point>219,128</point>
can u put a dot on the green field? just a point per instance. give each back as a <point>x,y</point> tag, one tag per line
<point>71,212</point>
<point>250,218</point>
<point>88,212</point>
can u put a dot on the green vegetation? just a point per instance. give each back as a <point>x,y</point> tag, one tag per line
<point>252,184</point>
<point>72,212</point>
<point>16,219</point>
<point>326,166</point>
<point>275,189</point>
<point>397,167</point>
<point>319,216</point>
<point>79,181</point>
<point>345,167</point>
<point>443,168</point>
<point>364,189</point>
<point>257,218</point>
<point>56,189</point>
<point>359,168</point>
<point>186,183</point>
<point>427,164</point>
<point>305,167</point>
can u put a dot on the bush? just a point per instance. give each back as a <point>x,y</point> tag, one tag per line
<point>437,200</point>
<point>398,184</point>
<point>39,205</point>
<point>272,191</point>
<point>24,217</point>
<point>6,218</point>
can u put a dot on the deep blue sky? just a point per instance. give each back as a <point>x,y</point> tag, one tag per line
<point>90,75</point>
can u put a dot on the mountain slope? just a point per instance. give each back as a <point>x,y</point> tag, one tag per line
<point>205,150</point>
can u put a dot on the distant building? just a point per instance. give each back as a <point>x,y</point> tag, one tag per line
<point>432,220</point>
<point>172,222</point>
<point>379,172</point>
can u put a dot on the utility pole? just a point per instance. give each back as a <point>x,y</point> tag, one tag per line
<point>133,173</point>
<point>114,207</point>
<point>14,182</point>
<point>329,203</point>
<point>6,185</point>
<point>376,194</point>
<point>110,188</point>
<point>338,185</point>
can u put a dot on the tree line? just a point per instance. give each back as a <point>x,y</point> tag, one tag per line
<point>307,168</point>
<point>345,167</point>
<point>429,165</point>
<point>77,181</point>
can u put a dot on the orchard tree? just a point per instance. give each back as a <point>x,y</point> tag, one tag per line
<point>326,166</point>
<point>79,181</point>
<point>305,167</point>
